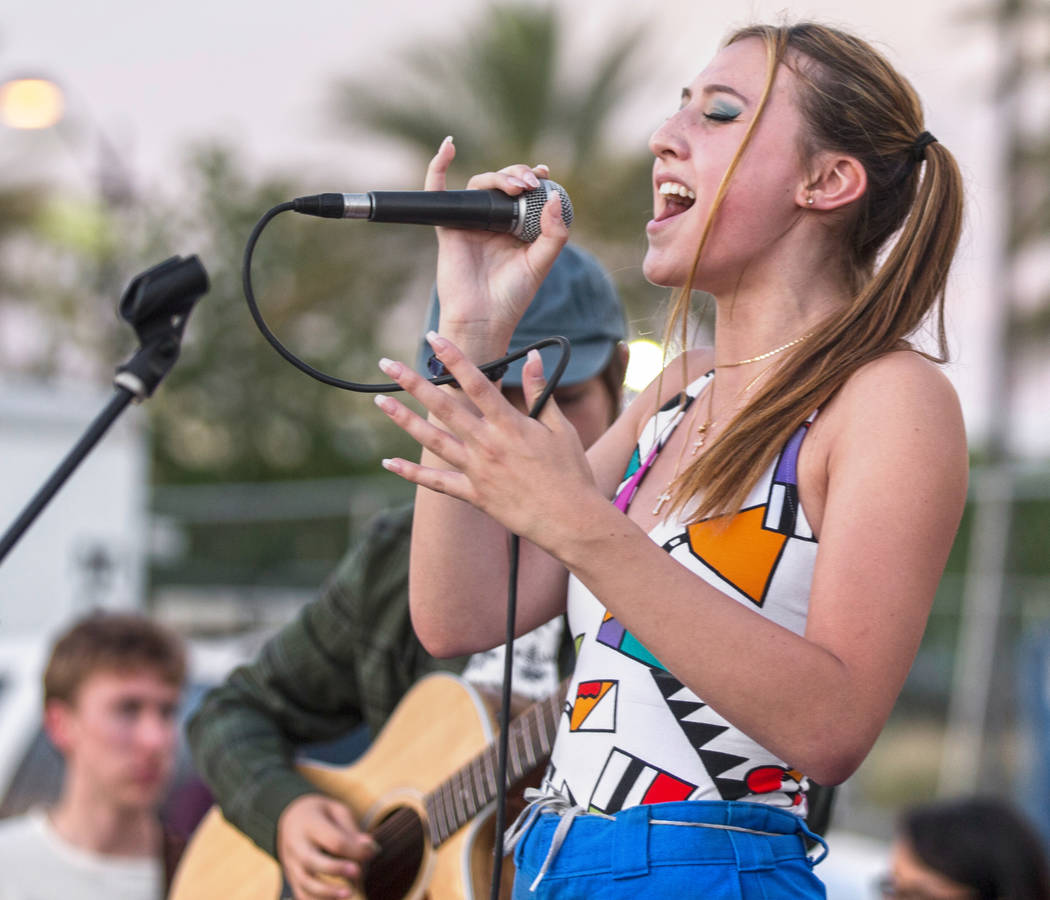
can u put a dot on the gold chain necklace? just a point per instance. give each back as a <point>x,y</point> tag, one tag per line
<point>767,354</point>
<point>709,423</point>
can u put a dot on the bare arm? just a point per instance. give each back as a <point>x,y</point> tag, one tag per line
<point>895,486</point>
<point>896,483</point>
<point>459,567</point>
<point>459,551</point>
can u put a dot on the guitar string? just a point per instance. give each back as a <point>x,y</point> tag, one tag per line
<point>453,795</point>
<point>400,832</point>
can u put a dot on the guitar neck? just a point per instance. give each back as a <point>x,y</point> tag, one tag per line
<point>461,797</point>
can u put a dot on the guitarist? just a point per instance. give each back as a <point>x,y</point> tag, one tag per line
<point>350,655</point>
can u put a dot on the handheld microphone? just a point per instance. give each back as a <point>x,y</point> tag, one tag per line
<point>490,210</point>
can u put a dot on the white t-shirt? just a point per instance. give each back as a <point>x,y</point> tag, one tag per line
<point>535,666</point>
<point>36,863</point>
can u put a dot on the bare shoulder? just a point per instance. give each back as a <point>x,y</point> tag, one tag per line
<point>903,402</point>
<point>903,382</point>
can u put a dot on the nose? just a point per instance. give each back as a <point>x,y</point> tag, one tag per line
<point>667,140</point>
<point>156,731</point>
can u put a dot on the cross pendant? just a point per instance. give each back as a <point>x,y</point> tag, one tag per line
<point>701,436</point>
<point>660,501</point>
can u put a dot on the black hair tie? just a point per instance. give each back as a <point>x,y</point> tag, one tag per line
<point>919,145</point>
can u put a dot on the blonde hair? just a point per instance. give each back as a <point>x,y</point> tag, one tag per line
<point>852,101</point>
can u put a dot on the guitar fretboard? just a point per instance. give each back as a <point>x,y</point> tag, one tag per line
<point>470,789</point>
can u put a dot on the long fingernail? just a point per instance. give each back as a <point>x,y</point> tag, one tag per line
<point>517,182</point>
<point>391,465</point>
<point>531,180</point>
<point>437,342</point>
<point>384,403</point>
<point>447,140</point>
<point>391,368</point>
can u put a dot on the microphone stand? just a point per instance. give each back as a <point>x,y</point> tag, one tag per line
<point>156,304</point>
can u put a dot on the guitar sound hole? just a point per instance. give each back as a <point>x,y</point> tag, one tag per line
<point>392,872</point>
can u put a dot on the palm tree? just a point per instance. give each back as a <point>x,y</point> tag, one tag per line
<point>504,89</point>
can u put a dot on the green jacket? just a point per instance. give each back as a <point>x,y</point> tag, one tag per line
<point>348,658</point>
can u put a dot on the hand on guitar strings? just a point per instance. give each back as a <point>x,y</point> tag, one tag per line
<point>321,849</point>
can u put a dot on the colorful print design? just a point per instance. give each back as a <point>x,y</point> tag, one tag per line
<point>627,780</point>
<point>614,635</point>
<point>745,553</point>
<point>777,779</point>
<point>636,468</point>
<point>633,733</point>
<point>595,706</point>
<point>703,732</point>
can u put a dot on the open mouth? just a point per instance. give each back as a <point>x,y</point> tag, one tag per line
<point>677,198</point>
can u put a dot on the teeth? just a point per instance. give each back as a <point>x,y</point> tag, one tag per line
<point>674,189</point>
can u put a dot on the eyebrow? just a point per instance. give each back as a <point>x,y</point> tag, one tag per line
<point>709,89</point>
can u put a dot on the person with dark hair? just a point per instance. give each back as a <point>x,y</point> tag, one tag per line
<point>351,655</point>
<point>748,556</point>
<point>111,692</point>
<point>974,848</point>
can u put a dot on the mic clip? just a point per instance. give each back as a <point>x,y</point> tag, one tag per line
<point>492,371</point>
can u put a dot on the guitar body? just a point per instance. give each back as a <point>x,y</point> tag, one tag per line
<point>439,726</point>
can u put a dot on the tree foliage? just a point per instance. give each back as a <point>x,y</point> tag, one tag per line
<point>337,293</point>
<point>512,88</point>
<point>232,409</point>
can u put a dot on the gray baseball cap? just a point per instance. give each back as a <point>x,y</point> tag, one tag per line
<point>576,300</point>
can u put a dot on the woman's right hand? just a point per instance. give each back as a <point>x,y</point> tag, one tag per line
<point>486,280</point>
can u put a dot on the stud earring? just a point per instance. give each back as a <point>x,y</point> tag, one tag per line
<point>809,200</point>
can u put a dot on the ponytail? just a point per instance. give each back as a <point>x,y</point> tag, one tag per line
<point>853,102</point>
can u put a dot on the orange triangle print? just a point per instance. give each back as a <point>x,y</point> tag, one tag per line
<point>588,695</point>
<point>745,554</point>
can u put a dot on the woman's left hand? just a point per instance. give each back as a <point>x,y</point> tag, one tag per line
<point>512,467</point>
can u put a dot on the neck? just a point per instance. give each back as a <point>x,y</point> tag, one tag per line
<point>752,323</point>
<point>98,825</point>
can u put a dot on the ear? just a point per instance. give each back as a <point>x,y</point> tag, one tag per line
<point>58,723</point>
<point>838,181</point>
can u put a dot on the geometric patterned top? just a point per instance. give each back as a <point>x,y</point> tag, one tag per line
<point>631,732</point>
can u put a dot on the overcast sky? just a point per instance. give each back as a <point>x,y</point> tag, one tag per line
<point>153,77</point>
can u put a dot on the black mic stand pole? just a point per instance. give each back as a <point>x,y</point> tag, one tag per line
<point>156,304</point>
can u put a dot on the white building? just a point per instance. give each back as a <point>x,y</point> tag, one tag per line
<point>88,547</point>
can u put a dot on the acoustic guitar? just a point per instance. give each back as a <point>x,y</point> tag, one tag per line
<point>425,790</point>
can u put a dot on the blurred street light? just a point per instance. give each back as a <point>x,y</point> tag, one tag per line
<point>37,103</point>
<point>31,103</point>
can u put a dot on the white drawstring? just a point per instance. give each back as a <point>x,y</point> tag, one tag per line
<point>539,802</point>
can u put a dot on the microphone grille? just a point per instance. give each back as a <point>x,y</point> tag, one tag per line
<point>529,227</point>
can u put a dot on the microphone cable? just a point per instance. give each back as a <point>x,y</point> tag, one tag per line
<point>514,542</point>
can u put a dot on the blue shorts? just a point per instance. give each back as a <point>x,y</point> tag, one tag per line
<point>710,849</point>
